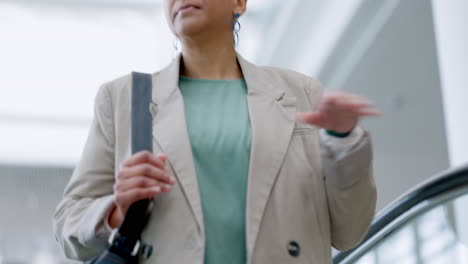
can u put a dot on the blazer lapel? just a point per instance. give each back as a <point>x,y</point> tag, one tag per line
<point>272,117</point>
<point>170,132</point>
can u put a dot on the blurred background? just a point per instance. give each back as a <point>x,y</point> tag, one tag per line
<point>410,57</point>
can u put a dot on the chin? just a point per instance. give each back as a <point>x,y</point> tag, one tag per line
<point>189,28</point>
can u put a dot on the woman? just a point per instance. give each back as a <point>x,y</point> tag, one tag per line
<point>252,164</point>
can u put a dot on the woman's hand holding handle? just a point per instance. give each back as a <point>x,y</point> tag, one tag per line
<point>142,176</point>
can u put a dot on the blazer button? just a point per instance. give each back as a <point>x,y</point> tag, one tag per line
<point>294,249</point>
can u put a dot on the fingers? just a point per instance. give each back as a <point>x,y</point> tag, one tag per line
<point>123,200</point>
<point>147,170</point>
<point>361,109</point>
<point>140,182</point>
<point>345,101</point>
<point>339,111</point>
<point>369,112</point>
<point>158,160</point>
<point>128,190</point>
<point>142,176</point>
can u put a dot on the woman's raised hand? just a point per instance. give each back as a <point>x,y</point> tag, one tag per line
<point>142,176</point>
<point>339,112</point>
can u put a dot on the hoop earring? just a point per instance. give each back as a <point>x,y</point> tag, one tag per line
<point>236,27</point>
<point>175,46</point>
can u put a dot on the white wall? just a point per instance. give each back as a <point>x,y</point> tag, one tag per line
<point>399,71</point>
<point>451,20</point>
<point>388,54</point>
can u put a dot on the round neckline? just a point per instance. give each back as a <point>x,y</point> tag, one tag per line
<point>185,78</point>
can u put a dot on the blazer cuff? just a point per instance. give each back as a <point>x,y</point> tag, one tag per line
<point>94,229</point>
<point>346,160</point>
<point>339,145</point>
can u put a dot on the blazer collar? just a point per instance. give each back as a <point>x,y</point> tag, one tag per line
<point>257,80</point>
<point>271,116</point>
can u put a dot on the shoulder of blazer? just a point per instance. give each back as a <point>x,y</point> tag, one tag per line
<point>120,89</point>
<point>119,85</point>
<point>295,83</point>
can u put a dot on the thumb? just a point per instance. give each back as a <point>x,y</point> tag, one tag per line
<point>312,118</point>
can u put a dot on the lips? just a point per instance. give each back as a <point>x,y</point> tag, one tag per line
<point>187,8</point>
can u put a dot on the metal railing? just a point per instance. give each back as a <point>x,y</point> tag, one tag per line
<point>445,186</point>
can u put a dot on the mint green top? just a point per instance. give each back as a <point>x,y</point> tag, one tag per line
<point>219,131</point>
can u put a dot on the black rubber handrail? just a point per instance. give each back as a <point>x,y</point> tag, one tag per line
<point>441,183</point>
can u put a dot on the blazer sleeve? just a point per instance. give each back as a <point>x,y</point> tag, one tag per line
<point>349,182</point>
<point>78,219</point>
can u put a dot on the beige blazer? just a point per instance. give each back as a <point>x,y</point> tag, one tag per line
<point>302,195</point>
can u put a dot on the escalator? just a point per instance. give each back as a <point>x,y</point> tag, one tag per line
<point>428,225</point>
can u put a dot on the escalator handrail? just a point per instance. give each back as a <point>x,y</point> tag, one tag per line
<point>439,184</point>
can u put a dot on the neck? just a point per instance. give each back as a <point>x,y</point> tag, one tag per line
<point>213,58</point>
